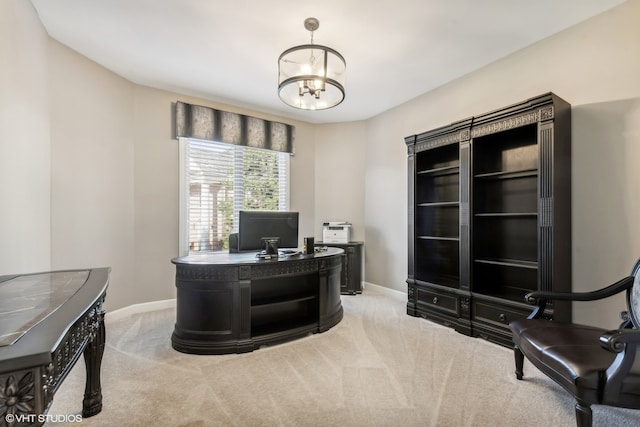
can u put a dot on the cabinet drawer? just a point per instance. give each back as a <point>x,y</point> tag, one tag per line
<point>496,314</point>
<point>432,300</point>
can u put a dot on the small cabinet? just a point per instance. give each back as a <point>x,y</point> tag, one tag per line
<point>490,217</point>
<point>352,264</point>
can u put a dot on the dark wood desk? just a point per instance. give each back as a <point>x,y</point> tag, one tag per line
<point>235,303</point>
<point>47,320</point>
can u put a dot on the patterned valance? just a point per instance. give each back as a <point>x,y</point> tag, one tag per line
<point>195,121</point>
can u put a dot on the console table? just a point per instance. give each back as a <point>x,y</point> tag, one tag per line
<point>236,302</point>
<point>47,320</point>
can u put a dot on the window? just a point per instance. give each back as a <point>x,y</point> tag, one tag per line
<point>219,180</point>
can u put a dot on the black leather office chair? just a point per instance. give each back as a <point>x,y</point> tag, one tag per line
<point>597,366</point>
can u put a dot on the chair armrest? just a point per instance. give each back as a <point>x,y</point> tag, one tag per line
<point>616,340</point>
<point>619,286</point>
<point>541,298</point>
<point>625,343</point>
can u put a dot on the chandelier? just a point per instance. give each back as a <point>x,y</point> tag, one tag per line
<point>310,76</point>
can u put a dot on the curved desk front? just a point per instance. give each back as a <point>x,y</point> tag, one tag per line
<point>236,303</point>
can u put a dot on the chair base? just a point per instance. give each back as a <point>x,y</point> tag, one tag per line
<point>519,362</point>
<point>584,415</point>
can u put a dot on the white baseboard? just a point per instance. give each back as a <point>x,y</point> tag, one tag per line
<point>139,308</point>
<point>393,293</point>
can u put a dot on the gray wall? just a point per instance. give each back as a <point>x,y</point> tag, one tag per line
<point>595,67</point>
<point>25,158</point>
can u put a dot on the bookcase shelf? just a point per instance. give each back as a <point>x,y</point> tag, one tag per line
<point>508,174</point>
<point>451,239</point>
<point>505,214</point>
<point>438,204</point>
<point>490,216</point>
<point>447,170</point>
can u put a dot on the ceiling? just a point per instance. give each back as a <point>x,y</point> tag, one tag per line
<point>227,50</point>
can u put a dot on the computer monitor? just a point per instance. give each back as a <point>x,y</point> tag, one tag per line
<point>255,226</point>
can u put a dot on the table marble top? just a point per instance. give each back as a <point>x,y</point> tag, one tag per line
<point>27,299</point>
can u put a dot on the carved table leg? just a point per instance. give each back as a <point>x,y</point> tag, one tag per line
<point>92,403</point>
<point>519,362</point>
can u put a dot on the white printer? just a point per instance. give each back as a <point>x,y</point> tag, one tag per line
<point>336,232</point>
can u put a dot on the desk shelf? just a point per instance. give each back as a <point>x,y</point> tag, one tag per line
<point>283,315</point>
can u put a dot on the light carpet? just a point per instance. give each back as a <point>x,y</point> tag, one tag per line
<point>378,367</point>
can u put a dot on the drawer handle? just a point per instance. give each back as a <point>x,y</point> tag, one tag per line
<point>502,317</point>
<point>435,300</point>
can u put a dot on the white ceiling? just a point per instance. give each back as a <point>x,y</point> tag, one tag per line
<point>227,50</point>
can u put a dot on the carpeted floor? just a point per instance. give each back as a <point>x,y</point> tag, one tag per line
<point>378,367</point>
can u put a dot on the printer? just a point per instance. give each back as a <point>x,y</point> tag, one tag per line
<point>336,232</point>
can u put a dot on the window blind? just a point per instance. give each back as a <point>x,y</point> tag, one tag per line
<point>220,180</point>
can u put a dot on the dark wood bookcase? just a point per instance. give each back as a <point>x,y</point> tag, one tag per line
<point>490,217</point>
